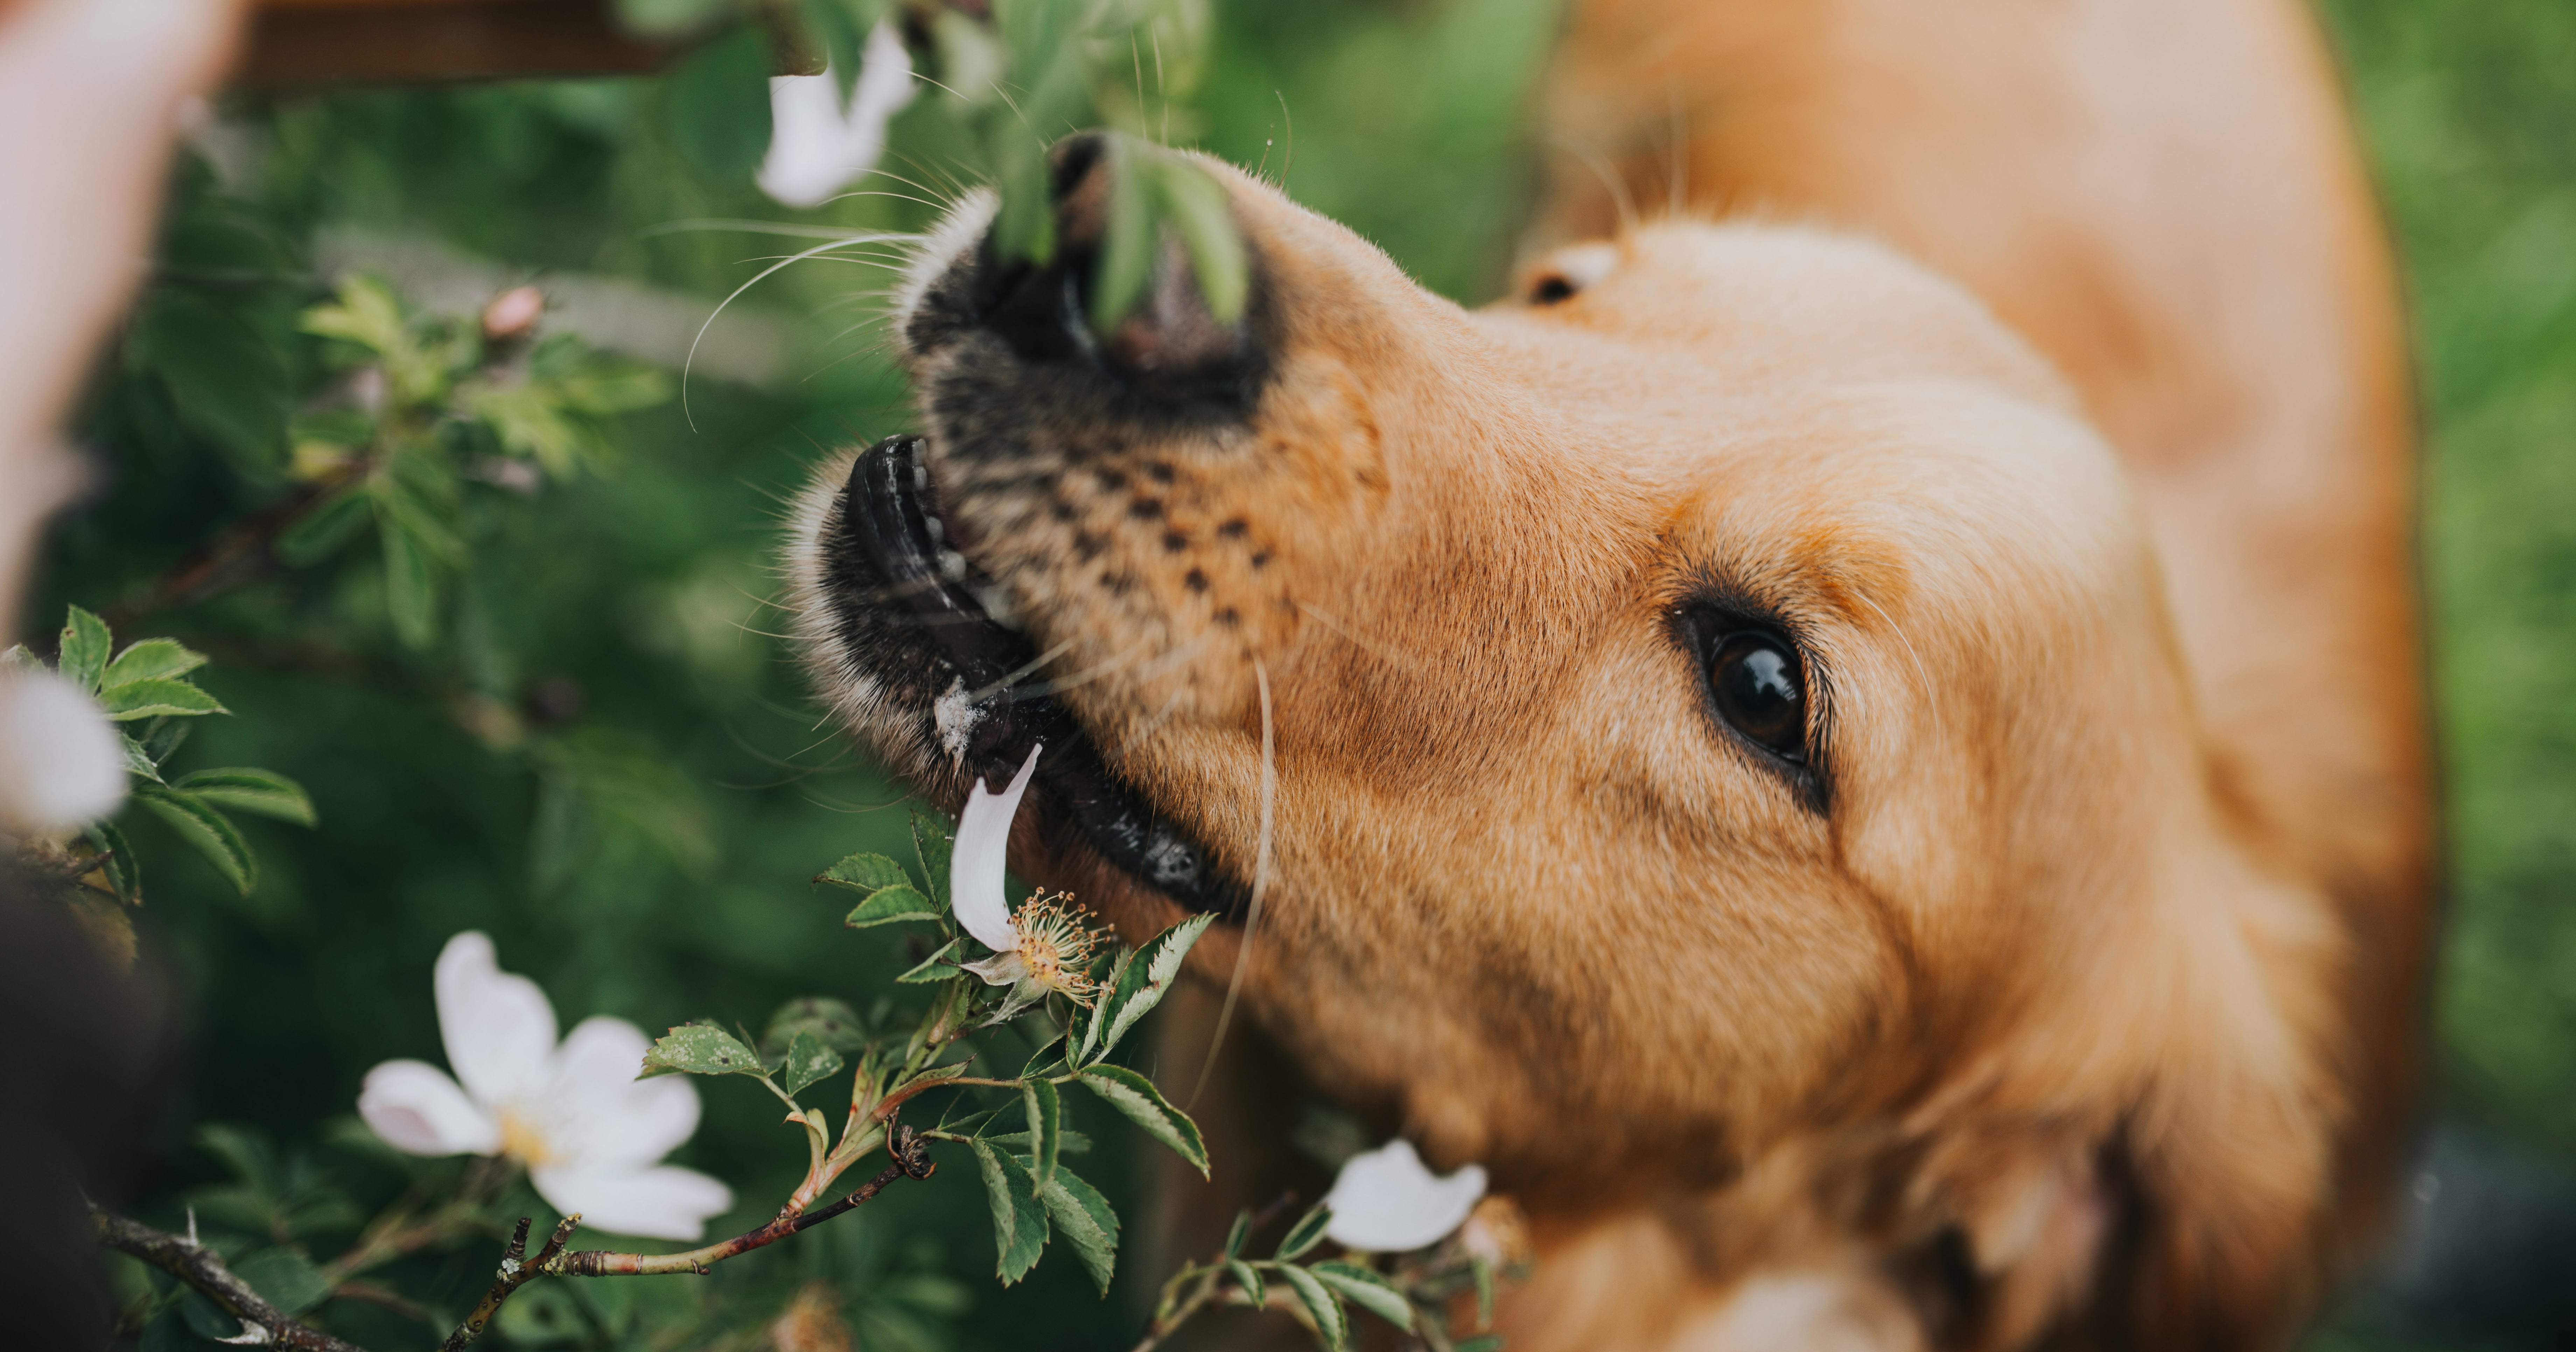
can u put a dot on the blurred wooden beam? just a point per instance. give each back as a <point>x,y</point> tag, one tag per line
<point>304,43</point>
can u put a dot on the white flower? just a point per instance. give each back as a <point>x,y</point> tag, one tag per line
<point>1386,1201</point>
<point>1048,945</point>
<point>62,765</point>
<point>590,1133</point>
<point>816,145</point>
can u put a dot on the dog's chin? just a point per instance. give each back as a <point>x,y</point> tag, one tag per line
<point>920,654</point>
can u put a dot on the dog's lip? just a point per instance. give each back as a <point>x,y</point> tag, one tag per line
<point>889,506</point>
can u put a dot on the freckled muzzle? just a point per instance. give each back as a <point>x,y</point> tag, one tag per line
<point>892,552</point>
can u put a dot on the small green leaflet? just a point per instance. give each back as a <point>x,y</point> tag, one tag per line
<point>151,659</point>
<point>1136,1098</point>
<point>932,846</point>
<point>865,874</point>
<point>889,905</point>
<point>319,533</point>
<point>1369,1291</point>
<point>138,761</point>
<point>808,1060</point>
<point>118,862</point>
<point>157,698</point>
<point>1019,1219</point>
<point>290,1282</point>
<point>252,790</point>
<point>1046,1128</point>
<point>1068,1142</point>
<point>1139,984</point>
<point>1247,1277</point>
<point>209,831</point>
<point>85,643</point>
<point>832,1023</point>
<point>1331,1323</point>
<point>700,1049</point>
<point>1306,1233</point>
<point>1235,1237</point>
<point>1085,1219</point>
<point>938,966</point>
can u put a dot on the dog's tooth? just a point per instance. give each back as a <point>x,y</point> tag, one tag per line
<point>997,607</point>
<point>920,478</point>
<point>952,565</point>
<point>938,529</point>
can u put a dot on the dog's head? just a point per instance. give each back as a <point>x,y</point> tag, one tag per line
<point>1713,708</point>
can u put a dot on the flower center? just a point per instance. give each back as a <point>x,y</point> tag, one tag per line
<point>523,1139</point>
<point>1056,946</point>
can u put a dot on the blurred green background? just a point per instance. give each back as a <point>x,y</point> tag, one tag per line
<point>606,762</point>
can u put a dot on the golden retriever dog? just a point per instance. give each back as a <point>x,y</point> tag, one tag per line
<point>1857,741</point>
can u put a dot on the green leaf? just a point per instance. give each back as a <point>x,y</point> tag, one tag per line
<point>865,874</point>
<point>828,1021</point>
<point>1139,984</point>
<point>411,578</point>
<point>717,101</point>
<point>162,738</point>
<point>85,643</point>
<point>138,761</point>
<point>932,848</point>
<point>1068,1141</point>
<point>321,532</point>
<point>892,904</point>
<point>1367,1290</point>
<point>1249,1278</point>
<point>701,1049</point>
<point>1084,1218</point>
<point>209,831</point>
<point>1127,241</point>
<point>808,1060</point>
<point>1020,1228</point>
<point>124,872</point>
<point>365,313</point>
<point>1197,207</point>
<point>150,659</point>
<point>938,966</point>
<point>248,789</point>
<point>1046,1127</point>
<point>157,699</point>
<point>1235,1237</point>
<point>1136,1098</point>
<point>1306,1233</point>
<point>287,1278</point>
<point>1331,1323</point>
<point>226,379</point>
<point>1483,1342</point>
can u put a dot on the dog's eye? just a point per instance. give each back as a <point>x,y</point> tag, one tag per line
<point>1760,691</point>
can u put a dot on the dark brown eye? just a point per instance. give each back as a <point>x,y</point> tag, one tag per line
<point>1760,691</point>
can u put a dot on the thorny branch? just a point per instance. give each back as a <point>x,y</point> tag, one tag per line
<point>514,1273</point>
<point>911,1160</point>
<point>184,1258</point>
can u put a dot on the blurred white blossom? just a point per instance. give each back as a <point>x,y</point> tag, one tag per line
<point>62,764</point>
<point>815,143</point>
<point>1387,1201</point>
<point>591,1135</point>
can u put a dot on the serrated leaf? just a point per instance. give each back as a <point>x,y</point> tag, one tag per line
<point>938,966</point>
<point>1020,1227</point>
<point>250,789</point>
<point>84,648</point>
<point>1367,1290</point>
<point>1136,1099</point>
<point>150,659</point>
<point>1068,1141</point>
<point>138,761</point>
<point>1085,1219</point>
<point>1196,205</point>
<point>831,1022</point>
<point>932,847</point>
<point>808,1060</point>
<point>1306,1233</point>
<point>157,699</point>
<point>701,1049</point>
<point>1139,984</point>
<point>162,738</point>
<point>288,1279</point>
<point>124,872</point>
<point>1332,1324</point>
<point>890,905</point>
<point>1046,1124</point>
<point>1235,1237</point>
<point>365,313</point>
<point>210,832</point>
<point>321,532</point>
<point>865,874</point>
<point>1249,1278</point>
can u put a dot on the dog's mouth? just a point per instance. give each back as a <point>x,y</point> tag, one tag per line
<point>895,544</point>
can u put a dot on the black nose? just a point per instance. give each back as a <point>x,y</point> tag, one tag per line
<point>1163,342</point>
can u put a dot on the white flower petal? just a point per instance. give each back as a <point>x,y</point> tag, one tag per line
<point>663,1203</point>
<point>983,851</point>
<point>1386,1201</point>
<point>596,1114</point>
<point>61,765</point>
<point>815,145</point>
<point>499,1028</point>
<point>418,1110</point>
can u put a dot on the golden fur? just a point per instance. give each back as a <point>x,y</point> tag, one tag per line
<point>2045,387</point>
